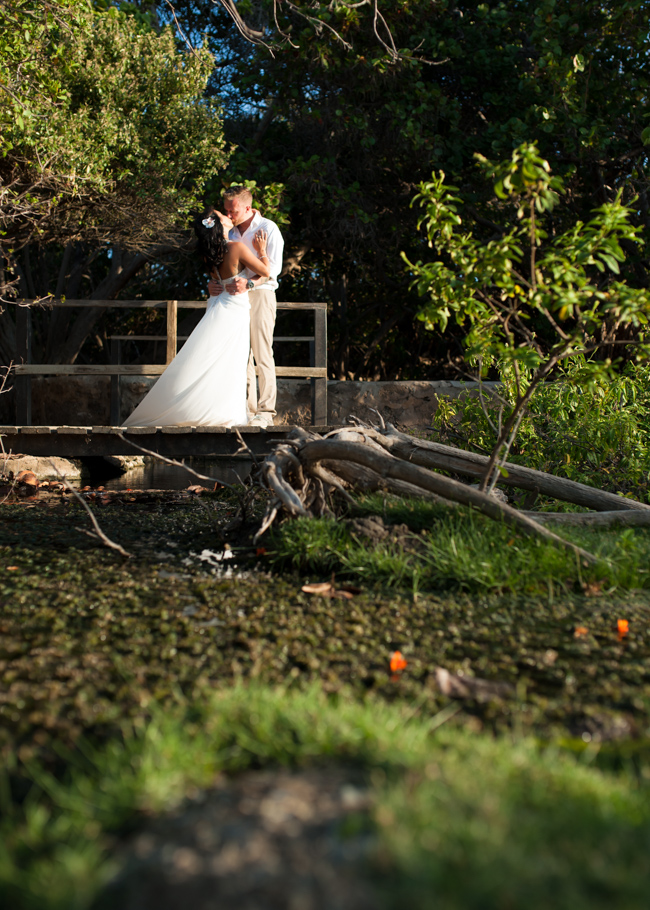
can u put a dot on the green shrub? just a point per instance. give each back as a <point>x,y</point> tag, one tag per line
<point>585,428</point>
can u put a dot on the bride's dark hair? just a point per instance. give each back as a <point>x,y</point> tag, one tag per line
<point>211,243</point>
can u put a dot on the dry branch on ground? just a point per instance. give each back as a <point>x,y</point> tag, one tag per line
<point>306,469</point>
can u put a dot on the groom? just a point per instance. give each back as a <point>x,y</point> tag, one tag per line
<point>237,202</point>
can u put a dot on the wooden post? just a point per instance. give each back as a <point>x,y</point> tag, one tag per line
<point>116,358</point>
<point>23,355</point>
<point>319,386</point>
<point>172,341</point>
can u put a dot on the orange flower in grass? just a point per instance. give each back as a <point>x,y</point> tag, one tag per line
<point>397,662</point>
<point>623,628</point>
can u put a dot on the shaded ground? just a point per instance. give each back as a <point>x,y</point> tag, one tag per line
<point>266,840</point>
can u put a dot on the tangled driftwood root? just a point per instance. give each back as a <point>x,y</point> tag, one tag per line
<point>306,469</point>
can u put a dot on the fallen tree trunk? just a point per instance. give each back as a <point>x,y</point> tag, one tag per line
<point>305,469</point>
<point>295,472</point>
<point>447,458</point>
<point>594,519</point>
<point>388,466</point>
<point>366,480</point>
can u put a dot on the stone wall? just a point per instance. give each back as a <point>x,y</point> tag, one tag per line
<point>406,403</point>
<point>85,400</point>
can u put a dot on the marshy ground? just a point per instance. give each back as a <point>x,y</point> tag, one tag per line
<point>206,644</point>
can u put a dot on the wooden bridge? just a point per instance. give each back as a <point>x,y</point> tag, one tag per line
<point>173,442</point>
<point>75,441</point>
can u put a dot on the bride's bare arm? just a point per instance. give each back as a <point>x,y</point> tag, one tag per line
<point>259,264</point>
<point>239,256</point>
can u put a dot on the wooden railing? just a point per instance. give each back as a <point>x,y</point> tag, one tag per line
<point>24,368</point>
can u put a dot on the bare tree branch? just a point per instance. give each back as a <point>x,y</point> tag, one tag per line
<point>318,23</point>
<point>181,464</point>
<point>187,41</point>
<point>97,530</point>
<point>250,34</point>
<point>255,36</point>
<point>392,50</point>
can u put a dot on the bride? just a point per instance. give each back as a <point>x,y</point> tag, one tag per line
<point>205,384</point>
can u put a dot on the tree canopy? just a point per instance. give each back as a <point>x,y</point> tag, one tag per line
<point>105,133</point>
<point>349,127</point>
<point>106,138</point>
<point>335,112</point>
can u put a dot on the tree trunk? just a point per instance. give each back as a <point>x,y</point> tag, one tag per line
<point>297,473</point>
<point>369,481</point>
<point>342,357</point>
<point>123,267</point>
<point>74,264</point>
<point>294,253</point>
<point>447,458</point>
<point>631,519</point>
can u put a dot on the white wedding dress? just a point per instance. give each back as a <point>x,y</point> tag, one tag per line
<point>205,384</point>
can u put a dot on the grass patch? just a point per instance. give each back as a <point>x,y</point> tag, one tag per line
<point>460,550</point>
<point>475,821</point>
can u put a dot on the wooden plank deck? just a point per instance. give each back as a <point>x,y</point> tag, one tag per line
<point>174,442</point>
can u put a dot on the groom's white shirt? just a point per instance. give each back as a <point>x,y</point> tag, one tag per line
<point>274,247</point>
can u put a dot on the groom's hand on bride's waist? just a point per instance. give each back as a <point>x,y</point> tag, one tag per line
<point>236,286</point>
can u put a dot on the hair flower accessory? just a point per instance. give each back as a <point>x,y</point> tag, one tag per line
<point>209,222</point>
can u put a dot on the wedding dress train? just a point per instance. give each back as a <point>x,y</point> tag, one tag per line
<point>205,384</point>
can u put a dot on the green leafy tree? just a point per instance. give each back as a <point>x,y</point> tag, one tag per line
<point>106,141</point>
<point>531,298</point>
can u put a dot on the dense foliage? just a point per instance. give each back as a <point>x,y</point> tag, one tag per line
<point>351,130</point>
<point>595,430</point>
<point>105,143</point>
<point>533,298</point>
<point>336,111</point>
<point>107,133</point>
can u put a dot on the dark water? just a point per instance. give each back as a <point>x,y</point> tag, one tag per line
<point>158,476</point>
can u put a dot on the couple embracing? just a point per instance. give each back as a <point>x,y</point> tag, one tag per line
<point>206,383</point>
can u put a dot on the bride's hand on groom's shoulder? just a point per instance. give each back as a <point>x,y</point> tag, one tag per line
<point>259,240</point>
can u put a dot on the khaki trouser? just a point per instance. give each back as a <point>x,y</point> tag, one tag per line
<point>262,326</point>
